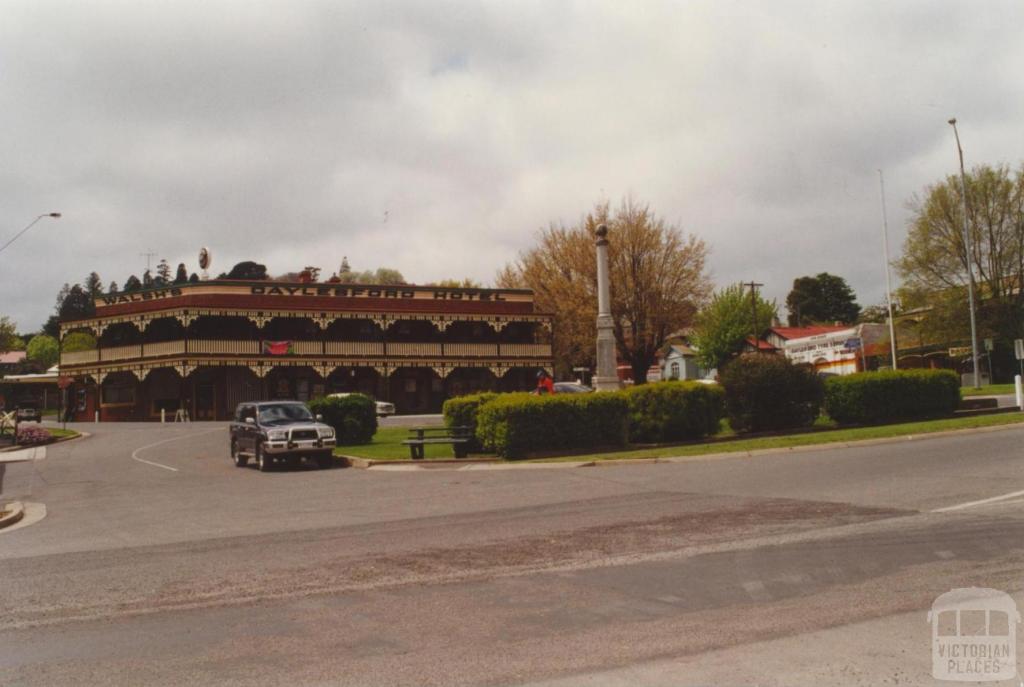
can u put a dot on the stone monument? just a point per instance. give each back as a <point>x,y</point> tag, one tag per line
<point>606,377</point>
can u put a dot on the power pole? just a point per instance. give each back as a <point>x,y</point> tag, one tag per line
<point>753,307</point>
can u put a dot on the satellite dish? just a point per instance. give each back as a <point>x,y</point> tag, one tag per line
<point>204,257</point>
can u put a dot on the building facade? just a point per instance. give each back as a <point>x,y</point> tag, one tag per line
<point>202,348</point>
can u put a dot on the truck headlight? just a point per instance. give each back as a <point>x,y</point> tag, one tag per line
<point>277,435</point>
<point>327,433</point>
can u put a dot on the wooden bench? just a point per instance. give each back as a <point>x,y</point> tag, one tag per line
<point>458,437</point>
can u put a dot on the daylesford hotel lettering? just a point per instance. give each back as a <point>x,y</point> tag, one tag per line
<point>332,291</point>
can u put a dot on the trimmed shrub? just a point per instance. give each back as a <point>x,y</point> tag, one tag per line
<point>515,425</point>
<point>33,435</point>
<point>461,411</point>
<point>891,395</point>
<point>673,411</point>
<point>353,417</point>
<point>765,392</point>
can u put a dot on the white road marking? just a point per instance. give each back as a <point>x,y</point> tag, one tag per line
<point>982,502</point>
<point>135,453</point>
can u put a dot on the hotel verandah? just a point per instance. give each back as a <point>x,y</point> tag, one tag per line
<point>207,346</point>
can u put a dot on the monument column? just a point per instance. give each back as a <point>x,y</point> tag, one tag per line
<point>606,377</point>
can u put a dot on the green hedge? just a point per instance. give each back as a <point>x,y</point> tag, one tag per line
<point>515,425</point>
<point>674,411</point>
<point>354,417</point>
<point>461,411</point>
<point>766,392</point>
<point>891,395</point>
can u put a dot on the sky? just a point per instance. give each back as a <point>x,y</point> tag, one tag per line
<point>438,137</point>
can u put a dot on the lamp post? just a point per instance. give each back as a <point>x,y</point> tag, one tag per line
<point>967,256</point>
<point>55,215</point>
<point>888,282</point>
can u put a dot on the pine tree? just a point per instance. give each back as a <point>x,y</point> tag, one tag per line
<point>93,284</point>
<point>112,288</point>
<point>182,275</point>
<point>163,270</point>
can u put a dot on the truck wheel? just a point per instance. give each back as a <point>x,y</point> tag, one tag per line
<point>262,461</point>
<point>240,460</point>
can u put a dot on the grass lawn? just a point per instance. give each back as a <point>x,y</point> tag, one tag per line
<point>823,436</point>
<point>61,433</point>
<point>387,445</point>
<point>387,442</point>
<point>988,390</point>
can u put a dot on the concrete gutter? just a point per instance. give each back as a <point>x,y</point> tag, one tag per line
<point>12,514</point>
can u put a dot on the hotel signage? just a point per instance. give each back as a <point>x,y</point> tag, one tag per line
<point>311,290</point>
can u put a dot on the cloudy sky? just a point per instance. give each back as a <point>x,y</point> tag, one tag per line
<point>437,137</point>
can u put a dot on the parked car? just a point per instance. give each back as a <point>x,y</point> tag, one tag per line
<point>572,388</point>
<point>384,408</point>
<point>30,415</point>
<point>274,431</point>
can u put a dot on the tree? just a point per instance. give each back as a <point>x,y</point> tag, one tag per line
<point>658,282</point>
<point>132,283</point>
<point>725,324</point>
<point>247,270</point>
<point>112,288</point>
<point>79,341</point>
<point>9,340</point>
<point>824,298</point>
<point>147,278</point>
<point>43,350</point>
<point>181,276</point>
<point>77,304</point>
<point>935,256</point>
<point>466,283</point>
<point>163,271</point>
<point>93,284</point>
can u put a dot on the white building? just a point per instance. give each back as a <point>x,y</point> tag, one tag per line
<point>834,350</point>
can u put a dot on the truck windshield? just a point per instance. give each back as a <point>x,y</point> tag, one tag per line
<point>283,414</point>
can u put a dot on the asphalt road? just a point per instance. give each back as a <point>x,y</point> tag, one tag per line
<point>159,562</point>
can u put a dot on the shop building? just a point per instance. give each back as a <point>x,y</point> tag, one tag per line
<point>203,348</point>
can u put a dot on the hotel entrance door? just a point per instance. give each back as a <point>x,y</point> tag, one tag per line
<point>206,402</point>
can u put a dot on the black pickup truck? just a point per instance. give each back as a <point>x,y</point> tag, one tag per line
<point>279,431</point>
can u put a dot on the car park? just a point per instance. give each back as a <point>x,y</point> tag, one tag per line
<point>273,432</point>
<point>572,388</point>
<point>29,415</point>
<point>384,408</point>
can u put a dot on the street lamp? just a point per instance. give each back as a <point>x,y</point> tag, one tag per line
<point>967,255</point>
<point>55,215</point>
<point>888,282</point>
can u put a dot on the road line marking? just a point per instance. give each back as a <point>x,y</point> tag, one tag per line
<point>971,504</point>
<point>135,453</point>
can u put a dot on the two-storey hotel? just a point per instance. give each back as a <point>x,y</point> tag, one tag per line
<point>204,347</point>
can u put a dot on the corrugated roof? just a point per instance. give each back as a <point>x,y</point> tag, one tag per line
<point>12,357</point>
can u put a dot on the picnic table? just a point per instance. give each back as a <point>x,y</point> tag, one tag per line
<point>458,436</point>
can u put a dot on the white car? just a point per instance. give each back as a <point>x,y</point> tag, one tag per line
<point>384,409</point>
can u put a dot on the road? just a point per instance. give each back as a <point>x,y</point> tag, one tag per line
<point>158,562</point>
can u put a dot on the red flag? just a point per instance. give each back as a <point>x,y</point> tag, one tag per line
<point>277,348</point>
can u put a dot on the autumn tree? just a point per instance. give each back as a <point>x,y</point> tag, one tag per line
<point>658,282</point>
<point>935,255</point>
<point>722,328</point>
<point>824,298</point>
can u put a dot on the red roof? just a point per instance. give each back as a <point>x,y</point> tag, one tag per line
<point>12,357</point>
<point>800,332</point>
<point>762,345</point>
